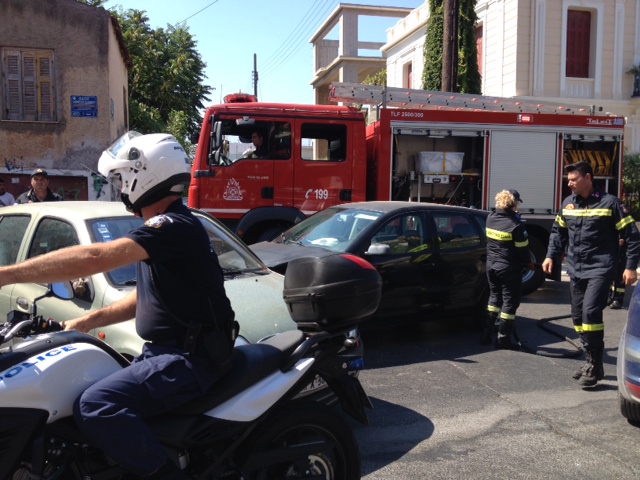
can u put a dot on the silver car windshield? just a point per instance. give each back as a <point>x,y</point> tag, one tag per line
<point>233,256</point>
<point>334,229</point>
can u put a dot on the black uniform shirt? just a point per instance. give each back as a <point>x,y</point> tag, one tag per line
<point>590,229</point>
<point>31,197</point>
<point>183,270</point>
<point>507,241</point>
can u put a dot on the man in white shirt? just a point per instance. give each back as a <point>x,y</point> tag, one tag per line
<point>6,198</point>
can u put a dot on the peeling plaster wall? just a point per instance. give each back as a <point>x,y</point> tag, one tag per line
<point>86,61</point>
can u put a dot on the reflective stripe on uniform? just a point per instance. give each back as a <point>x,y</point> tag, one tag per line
<point>522,244</point>
<point>597,327</point>
<point>579,328</point>
<point>560,221</point>
<point>492,309</point>
<point>507,316</point>
<point>587,212</point>
<point>498,235</point>
<point>625,222</point>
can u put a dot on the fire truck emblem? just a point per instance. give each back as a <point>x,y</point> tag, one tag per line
<point>232,193</point>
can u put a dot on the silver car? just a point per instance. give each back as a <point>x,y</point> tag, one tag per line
<point>628,363</point>
<point>32,229</point>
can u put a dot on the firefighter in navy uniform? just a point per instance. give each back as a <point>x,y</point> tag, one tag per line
<point>507,253</point>
<point>589,227</point>
<point>179,304</point>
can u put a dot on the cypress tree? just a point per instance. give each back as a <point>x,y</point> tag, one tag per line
<point>469,80</point>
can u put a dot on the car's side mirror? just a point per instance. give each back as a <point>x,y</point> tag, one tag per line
<point>379,249</point>
<point>63,290</point>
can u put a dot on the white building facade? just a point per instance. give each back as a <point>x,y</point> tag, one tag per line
<point>572,51</point>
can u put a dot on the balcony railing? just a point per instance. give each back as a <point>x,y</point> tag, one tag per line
<point>579,87</point>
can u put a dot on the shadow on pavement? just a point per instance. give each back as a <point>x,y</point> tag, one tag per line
<point>549,337</point>
<point>393,432</point>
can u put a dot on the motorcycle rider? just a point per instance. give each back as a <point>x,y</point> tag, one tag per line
<point>180,305</point>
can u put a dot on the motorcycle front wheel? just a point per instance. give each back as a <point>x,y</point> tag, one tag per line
<point>302,440</point>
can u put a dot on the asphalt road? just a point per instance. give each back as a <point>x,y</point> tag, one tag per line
<point>446,407</point>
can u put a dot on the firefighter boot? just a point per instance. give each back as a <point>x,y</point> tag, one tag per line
<point>595,370</point>
<point>505,332</point>
<point>578,373</point>
<point>615,304</point>
<point>489,327</point>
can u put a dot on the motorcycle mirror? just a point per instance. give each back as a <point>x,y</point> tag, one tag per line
<point>63,290</point>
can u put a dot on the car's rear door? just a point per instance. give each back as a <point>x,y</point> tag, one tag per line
<point>460,259</point>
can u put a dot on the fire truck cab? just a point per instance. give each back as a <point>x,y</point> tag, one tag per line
<point>303,164</point>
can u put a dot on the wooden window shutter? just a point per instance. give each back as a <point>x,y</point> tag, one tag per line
<point>13,96</point>
<point>578,43</point>
<point>29,82</point>
<point>45,87</point>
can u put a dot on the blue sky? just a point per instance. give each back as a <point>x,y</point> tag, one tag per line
<point>229,32</point>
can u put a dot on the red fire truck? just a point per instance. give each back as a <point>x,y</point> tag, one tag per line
<point>422,146</point>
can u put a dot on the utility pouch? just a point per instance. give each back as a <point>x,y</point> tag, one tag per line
<point>219,345</point>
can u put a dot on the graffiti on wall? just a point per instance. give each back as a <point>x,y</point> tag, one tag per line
<point>18,164</point>
<point>100,185</point>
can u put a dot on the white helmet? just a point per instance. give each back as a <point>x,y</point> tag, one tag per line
<point>150,167</point>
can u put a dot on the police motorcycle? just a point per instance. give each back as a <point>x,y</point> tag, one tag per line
<point>250,426</point>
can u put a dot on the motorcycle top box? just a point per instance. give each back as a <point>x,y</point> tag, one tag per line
<point>332,292</point>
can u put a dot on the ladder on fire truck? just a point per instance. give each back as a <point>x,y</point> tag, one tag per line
<point>432,100</point>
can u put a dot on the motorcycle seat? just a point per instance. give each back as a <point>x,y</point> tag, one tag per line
<point>249,364</point>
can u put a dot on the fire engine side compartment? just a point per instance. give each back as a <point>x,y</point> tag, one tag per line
<point>499,150</point>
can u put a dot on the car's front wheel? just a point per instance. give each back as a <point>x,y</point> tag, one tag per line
<point>629,409</point>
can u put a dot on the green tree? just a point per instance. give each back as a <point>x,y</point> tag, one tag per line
<point>166,90</point>
<point>379,78</point>
<point>432,73</point>
<point>93,3</point>
<point>469,80</point>
<point>631,182</point>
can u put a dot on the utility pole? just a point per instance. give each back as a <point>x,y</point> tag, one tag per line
<point>450,46</point>
<point>255,75</point>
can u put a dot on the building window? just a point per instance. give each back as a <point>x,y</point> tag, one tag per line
<point>578,43</point>
<point>28,83</point>
<point>407,81</point>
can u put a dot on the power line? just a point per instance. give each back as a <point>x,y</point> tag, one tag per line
<point>199,11</point>
<point>294,47</point>
<point>284,43</point>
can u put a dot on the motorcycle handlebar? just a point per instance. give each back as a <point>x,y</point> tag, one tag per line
<point>32,325</point>
<point>41,325</point>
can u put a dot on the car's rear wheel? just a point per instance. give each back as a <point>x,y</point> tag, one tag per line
<point>533,279</point>
<point>630,410</point>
